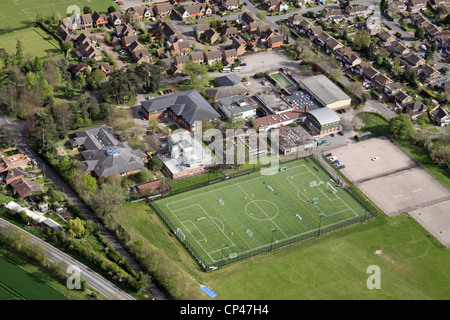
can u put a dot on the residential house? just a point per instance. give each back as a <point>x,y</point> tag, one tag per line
<point>86,44</point>
<point>99,20</point>
<point>357,11</point>
<point>197,57</point>
<point>402,98</point>
<point>4,164</point>
<point>229,31</point>
<point>162,9</point>
<point>393,88</point>
<point>372,25</point>
<point>86,22</point>
<point>116,18</point>
<point>369,73</point>
<point>436,3</point>
<point>396,5</point>
<point>295,20</point>
<point>398,48</point>
<point>276,5</point>
<point>385,35</point>
<point>191,12</point>
<point>200,28</point>
<point>179,62</point>
<point>64,33</point>
<point>74,69</point>
<point>127,40</point>
<point>416,5</point>
<point>23,188</point>
<point>124,30</point>
<point>428,73</point>
<point>181,47</point>
<point>103,155</point>
<point>210,36</point>
<point>275,41</point>
<point>213,56</point>
<point>69,24</point>
<point>329,13</point>
<point>440,116</point>
<point>229,56</point>
<point>380,81</point>
<point>305,25</point>
<point>11,175</point>
<point>418,19</point>
<point>167,32</point>
<point>139,52</point>
<point>248,22</point>
<point>412,59</point>
<point>230,4</point>
<point>239,45</point>
<point>332,45</point>
<point>105,67</point>
<point>415,109</point>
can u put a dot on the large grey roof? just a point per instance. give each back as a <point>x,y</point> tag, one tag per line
<point>228,80</point>
<point>325,115</point>
<point>98,157</point>
<point>324,89</point>
<point>189,105</point>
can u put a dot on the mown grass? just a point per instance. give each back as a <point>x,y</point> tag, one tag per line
<point>413,264</point>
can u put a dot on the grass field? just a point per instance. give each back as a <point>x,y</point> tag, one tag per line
<point>18,13</point>
<point>18,284</point>
<point>250,214</point>
<point>35,41</point>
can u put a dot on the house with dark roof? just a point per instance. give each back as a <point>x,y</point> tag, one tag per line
<point>228,80</point>
<point>186,108</point>
<point>229,56</point>
<point>162,9</point>
<point>210,36</point>
<point>440,116</point>
<point>179,61</point>
<point>11,175</point>
<point>415,109</point>
<point>116,18</point>
<point>99,20</point>
<point>23,188</point>
<point>103,155</point>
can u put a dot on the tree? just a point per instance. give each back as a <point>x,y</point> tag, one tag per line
<point>90,182</point>
<point>401,126</point>
<point>97,77</point>
<point>76,227</point>
<point>197,74</point>
<point>19,52</point>
<point>66,46</point>
<point>419,34</point>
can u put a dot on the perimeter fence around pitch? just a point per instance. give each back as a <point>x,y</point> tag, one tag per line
<point>190,244</point>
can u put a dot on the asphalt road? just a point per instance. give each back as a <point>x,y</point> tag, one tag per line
<point>94,280</point>
<point>20,129</point>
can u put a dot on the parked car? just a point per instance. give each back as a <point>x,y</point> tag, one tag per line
<point>328,155</point>
<point>375,158</point>
<point>341,166</point>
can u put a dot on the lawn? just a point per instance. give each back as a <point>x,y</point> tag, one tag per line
<point>373,123</point>
<point>35,41</point>
<point>413,264</point>
<point>232,220</point>
<point>18,284</point>
<point>20,13</point>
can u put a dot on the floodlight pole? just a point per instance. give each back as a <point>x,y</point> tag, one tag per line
<point>221,260</point>
<point>271,242</point>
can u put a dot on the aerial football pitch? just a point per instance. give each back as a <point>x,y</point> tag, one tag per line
<point>252,214</point>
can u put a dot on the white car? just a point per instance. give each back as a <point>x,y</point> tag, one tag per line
<point>247,83</point>
<point>375,158</point>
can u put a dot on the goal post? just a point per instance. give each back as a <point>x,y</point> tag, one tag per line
<point>180,234</point>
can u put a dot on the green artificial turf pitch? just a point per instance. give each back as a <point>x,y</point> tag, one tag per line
<point>251,214</point>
